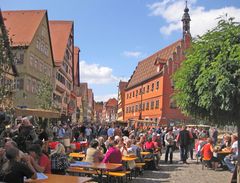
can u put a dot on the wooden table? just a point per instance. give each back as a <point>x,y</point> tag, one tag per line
<point>224,152</point>
<point>100,166</point>
<point>77,155</point>
<point>127,158</point>
<point>145,153</point>
<point>52,178</point>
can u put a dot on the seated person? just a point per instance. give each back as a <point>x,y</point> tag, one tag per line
<point>226,142</point>
<point>39,160</point>
<point>15,171</point>
<point>59,160</point>
<point>113,154</point>
<point>207,154</point>
<point>234,155</point>
<point>149,145</point>
<point>93,154</point>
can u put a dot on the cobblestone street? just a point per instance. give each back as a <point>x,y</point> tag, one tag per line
<point>177,173</point>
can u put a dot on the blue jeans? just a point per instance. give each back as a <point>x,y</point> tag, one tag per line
<point>183,153</point>
<point>227,161</point>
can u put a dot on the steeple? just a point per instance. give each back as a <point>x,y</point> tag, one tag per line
<point>186,21</point>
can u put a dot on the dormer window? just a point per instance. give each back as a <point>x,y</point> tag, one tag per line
<point>159,63</point>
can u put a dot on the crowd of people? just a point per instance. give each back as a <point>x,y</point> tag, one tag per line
<point>107,144</point>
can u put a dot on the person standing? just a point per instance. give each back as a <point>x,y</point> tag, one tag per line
<point>169,142</point>
<point>183,140</point>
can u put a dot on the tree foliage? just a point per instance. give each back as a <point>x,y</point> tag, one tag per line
<point>6,63</point>
<point>208,81</point>
<point>44,94</point>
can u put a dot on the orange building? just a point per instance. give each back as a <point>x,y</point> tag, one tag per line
<point>148,95</point>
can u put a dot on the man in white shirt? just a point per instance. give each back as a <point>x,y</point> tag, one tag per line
<point>233,157</point>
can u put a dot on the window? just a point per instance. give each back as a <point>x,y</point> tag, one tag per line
<point>140,107</point>
<point>57,98</point>
<point>143,90</point>
<point>140,91</point>
<point>157,85</point>
<point>19,84</point>
<point>65,100</point>
<point>152,87</point>
<point>147,106</point>
<point>19,58</point>
<point>173,104</point>
<point>28,85</point>
<point>133,93</point>
<point>132,109</point>
<point>152,104</point>
<point>31,60</point>
<point>33,86</point>
<point>147,88</point>
<point>157,104</point>
<point>126,109</point>
<point>136,93</point>
<point>127,95</point>
<point>36,63</point>
<point>130,95</point>
<point>143,106</point>
<point>60,78</point>
<point>136,108</point>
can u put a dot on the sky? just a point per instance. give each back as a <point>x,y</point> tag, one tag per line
<point>114,35</point>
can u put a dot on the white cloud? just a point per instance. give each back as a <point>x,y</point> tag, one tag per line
<point>201,19</point>
<point>96,74</point>
<point>104,98</point>
<point>135,54</point>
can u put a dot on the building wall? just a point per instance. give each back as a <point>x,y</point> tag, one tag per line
<point>142,98</point>
<point>64,80</point>
<point>33,64</point>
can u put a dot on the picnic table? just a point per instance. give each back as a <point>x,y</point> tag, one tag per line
<point>99,167</point>
<point>77,155</point>
<point>145,153</point>
<point>60,179</point>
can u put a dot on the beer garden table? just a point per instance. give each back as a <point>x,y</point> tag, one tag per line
<point>96,166</point>
<point>52,178</point>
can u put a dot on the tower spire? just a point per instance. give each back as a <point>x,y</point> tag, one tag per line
<point>186,21</point>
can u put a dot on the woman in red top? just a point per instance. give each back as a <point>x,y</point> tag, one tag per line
<point>207,154</point>
<point>149,145</point>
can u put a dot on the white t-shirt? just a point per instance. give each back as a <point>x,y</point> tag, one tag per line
<point>235,147</point>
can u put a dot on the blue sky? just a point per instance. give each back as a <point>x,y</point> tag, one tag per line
<point>114,35</point>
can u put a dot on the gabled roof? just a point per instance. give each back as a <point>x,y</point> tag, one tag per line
<point>60,32</point>
<point>146,69</point>
<point>112,102</point>
<point>22,25</point>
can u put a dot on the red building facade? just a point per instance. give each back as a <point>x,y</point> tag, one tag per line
<point>149,93</point>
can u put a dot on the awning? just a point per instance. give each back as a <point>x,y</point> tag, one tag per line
<point>37,112</point>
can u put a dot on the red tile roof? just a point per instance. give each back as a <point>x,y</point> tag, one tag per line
<point>22,25</point>
<point>146,68</point>
<point>112,102</point>
<point>60,32</point>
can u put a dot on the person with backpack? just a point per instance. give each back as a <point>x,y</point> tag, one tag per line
<point>183,140</point>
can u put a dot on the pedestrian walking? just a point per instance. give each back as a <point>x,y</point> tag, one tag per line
<point>183,140</point>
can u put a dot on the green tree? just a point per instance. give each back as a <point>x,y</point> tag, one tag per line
<point>6,66</point>
<point>44,94</point>
<point>208,81</point>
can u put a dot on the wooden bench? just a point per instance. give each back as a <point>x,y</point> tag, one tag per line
<point>119,175</point>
